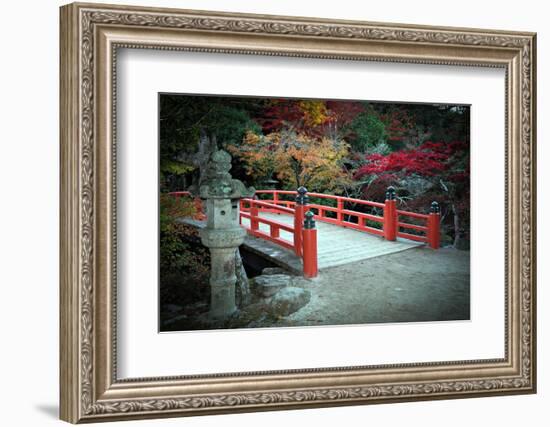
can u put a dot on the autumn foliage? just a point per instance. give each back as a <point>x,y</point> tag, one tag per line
<point>295,159</point>
<point>429,159</point>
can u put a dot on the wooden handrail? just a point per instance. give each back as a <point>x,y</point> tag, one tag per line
<point>280,225</point>
<point>343,216</point>
<point>325,196</point>
<point>391,225</point>
<point>412,226</point>
<point>412,214</point>
<point>289,192</point>
<point>250,209</point>
<point>262,203</point>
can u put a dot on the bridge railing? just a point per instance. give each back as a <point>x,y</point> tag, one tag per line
<point>391,223</point>
<point>341,217</point>
<point>250,209</point>
<point>303,231</point>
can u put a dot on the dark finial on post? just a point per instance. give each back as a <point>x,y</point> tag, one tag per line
<point>309,222</point>
<point>435,208</point>
<point>301,197</point>
<point>390,193</point>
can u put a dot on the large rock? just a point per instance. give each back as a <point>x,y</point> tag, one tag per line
<point>289,300</point>
<point>269,285</point>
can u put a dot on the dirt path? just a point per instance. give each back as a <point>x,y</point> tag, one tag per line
<point>415,285</point>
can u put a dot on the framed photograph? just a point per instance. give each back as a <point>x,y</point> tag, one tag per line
<point>266,212</point>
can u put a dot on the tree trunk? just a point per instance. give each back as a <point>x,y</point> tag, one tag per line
<point>206,147</point>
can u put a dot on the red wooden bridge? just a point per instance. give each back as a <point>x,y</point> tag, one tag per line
<point>288,219</point>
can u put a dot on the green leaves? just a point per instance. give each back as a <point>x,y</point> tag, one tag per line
<point>183,117</point>
<point>367,130</point>
<point>176,168</point>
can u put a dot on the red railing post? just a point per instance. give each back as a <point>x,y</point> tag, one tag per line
<point>299,210</point>
<point>390,215</point>
<point>254,224</point>
<point>339,207</point>
<point>433,226</point>
<point>241,206</point>
<point>310,246</point>
<point>275,197</point>
<point>274,231</point>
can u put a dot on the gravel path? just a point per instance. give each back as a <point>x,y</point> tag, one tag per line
<point>419,284</point>
<point>415,285</point>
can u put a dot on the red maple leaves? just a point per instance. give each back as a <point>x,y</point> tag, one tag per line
<point>429,159</point>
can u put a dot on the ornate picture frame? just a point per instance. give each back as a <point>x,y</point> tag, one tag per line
<point>90,37</point>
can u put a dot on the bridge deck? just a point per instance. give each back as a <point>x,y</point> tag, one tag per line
<point>335,245</point>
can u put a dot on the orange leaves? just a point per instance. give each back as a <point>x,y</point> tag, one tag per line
<point>179,206</point>
<point>256,153</point>
<point>305,116</point>
<point>315,112</point>
<point>295,159</point>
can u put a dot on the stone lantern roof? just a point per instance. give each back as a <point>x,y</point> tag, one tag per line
<point>218,183</point>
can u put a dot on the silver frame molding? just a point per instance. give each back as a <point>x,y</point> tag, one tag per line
<point>90,36</point>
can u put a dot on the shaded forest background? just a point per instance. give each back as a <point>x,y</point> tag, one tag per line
<point>351,148</point>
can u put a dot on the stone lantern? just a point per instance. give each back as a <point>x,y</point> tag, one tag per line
<point>223,233</point>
